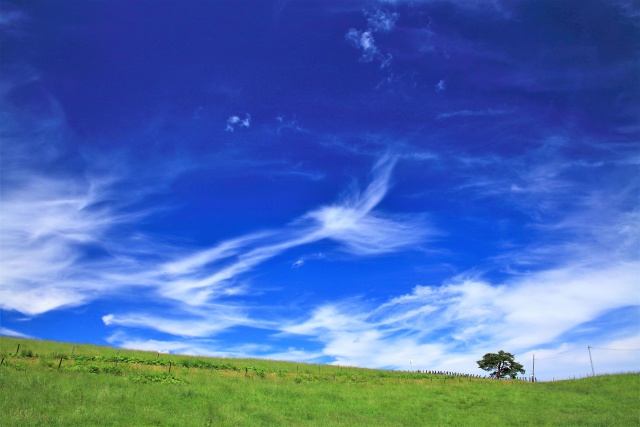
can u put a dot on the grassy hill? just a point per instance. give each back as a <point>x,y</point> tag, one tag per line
<point>44,383</point>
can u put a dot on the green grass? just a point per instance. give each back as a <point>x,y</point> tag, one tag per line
<point>101,386</point>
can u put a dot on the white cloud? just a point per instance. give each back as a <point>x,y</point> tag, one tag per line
<point>302,260</point>
<point>203,321</point>
<point>11,333</point>
<point>367,234</point>
<point>298,263</point>
<point>549,188</point>
<point>352,223</point>
<point>294,355</point>
<point>363,40</point>
<point>122,340</point>
<point>381,20</point>
<point>196,280</point>
<point>525,316</point>
<point>47,224</point>
<point>288,124</point>
<point>441,85</point>
<point>234,122</point>
<point>572,359</point>
<point>51,221</point>
<point>586,271</point>
<point>520,315</point>
<point>195,347</point>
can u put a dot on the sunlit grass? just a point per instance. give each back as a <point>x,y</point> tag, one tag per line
<point>116,389</point>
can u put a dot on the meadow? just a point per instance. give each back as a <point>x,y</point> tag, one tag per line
<point>62,384</point>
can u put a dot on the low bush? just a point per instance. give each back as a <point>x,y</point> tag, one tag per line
<point>164,378</point>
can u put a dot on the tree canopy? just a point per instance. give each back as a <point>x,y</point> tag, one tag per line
<point>501,364</point>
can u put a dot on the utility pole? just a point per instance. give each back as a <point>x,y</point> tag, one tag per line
<point>533,370</point>
<point>591,360</point>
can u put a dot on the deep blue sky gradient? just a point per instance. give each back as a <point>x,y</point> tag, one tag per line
<point>353,182</point>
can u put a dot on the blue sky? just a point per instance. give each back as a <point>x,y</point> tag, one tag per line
<point>348,182</point>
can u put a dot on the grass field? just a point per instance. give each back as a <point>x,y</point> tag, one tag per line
<point>44,383</point>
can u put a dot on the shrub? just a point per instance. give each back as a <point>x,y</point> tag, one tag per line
<point>113,370</point>
<point>163,378</point>
<point>26,353</point>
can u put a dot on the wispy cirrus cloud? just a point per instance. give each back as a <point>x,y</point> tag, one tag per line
<point>195,321</point>
<point>212,348</point>
<point>47,219</point>
<point>567,288</point>
<point>381,22</point>
<point>285,123</point>
<point>199,347</point>
<point>64,245</point>
<point>62,232</point>
<point>199,278</point>
<point>47,225</point>
<point>364,40</point>
<point>564,214</point>
<point>11,333</point>
<point>552,313</point>
<point>303,260</point>
<point>62,241</point>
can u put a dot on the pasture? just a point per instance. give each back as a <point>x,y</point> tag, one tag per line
<point>62,384</point>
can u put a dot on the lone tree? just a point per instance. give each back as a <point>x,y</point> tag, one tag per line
<point>502,364</point>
